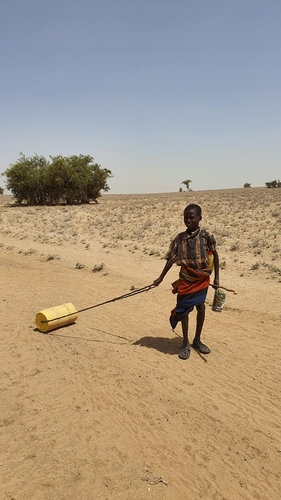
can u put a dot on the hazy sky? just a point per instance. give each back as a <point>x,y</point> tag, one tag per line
<point>158,91</point>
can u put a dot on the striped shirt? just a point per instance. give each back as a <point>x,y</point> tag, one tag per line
<point>191,250</point>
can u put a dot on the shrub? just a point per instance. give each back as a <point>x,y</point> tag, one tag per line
<point>73,179</point>
<point>273,184</point>
<point>255,266</point>
<point>79,265</point>
<point>97,268</point>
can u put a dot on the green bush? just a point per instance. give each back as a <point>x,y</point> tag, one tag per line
<point>273,184</point>
<point>72,179</point>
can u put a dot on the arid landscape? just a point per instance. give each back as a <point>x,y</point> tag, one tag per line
<point>104,408</point>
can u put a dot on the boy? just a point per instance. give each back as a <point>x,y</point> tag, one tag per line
<point>195,251</point>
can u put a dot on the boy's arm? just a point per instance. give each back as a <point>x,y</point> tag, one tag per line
<point>166,268</point>
<point>216,269</point>
<point>211,243</point>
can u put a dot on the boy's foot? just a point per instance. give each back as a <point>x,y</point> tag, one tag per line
<point>184,352</point>
<point>202,348</point>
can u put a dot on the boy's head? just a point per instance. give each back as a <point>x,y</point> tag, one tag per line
<point>192,216</point>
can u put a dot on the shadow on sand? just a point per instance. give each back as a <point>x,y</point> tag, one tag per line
<point>167,346</point>
<point>162,344</point>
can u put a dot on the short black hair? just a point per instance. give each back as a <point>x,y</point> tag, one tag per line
<point>195,207</point>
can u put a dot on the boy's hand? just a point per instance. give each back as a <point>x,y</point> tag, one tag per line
<point>157,281</point>
<point>216,284</point>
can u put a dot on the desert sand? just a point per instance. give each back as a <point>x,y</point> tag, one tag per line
<point>104,408</point>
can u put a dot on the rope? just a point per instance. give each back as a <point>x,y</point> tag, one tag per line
<point>129,294</point>
<point>124,296</point>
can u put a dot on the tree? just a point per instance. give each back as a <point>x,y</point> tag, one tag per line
<point>186,183</point>
<point>25,179</point>
<point>73,179</point>
<point>1,190</point>
<point>247,185</point>
<point>273,184</point>
<point>56,180</point>
<point>76,179</point>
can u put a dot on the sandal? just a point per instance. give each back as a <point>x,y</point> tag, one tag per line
<point>202,348</point>
<point>184,352</point>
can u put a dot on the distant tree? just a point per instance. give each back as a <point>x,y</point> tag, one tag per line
<point>73,179</point>
<point>97,182</point>
<point>57,180</point>
<point>1,190</point>
<point>25,179</point>
<point>273,184</point>
<point>180,190</point>
<point>186,183</point>
<point>76,179</point>
<point>247,185</point>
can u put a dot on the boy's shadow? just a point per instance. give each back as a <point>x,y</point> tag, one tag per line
<point>162,344</point>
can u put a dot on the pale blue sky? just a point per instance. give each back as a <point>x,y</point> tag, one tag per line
<point>158,91</point>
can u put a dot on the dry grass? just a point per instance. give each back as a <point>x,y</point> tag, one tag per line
<point>245,222</point>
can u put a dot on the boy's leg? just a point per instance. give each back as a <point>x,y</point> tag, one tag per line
<point>197,344</point>
<point>185,350</point>
<point>199,321</point>
<point>184,326</point>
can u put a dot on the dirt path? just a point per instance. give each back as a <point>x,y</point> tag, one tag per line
<point>105,409</point>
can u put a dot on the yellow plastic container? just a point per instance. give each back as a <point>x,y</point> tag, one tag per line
<point>211,259</point>
<point>55,317</point>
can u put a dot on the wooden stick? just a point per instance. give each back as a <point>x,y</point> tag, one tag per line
<point>224,288</point>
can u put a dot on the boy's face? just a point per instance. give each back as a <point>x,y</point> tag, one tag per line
<point>191,220</point>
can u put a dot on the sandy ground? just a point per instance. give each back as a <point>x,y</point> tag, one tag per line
<point>104,408</point>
